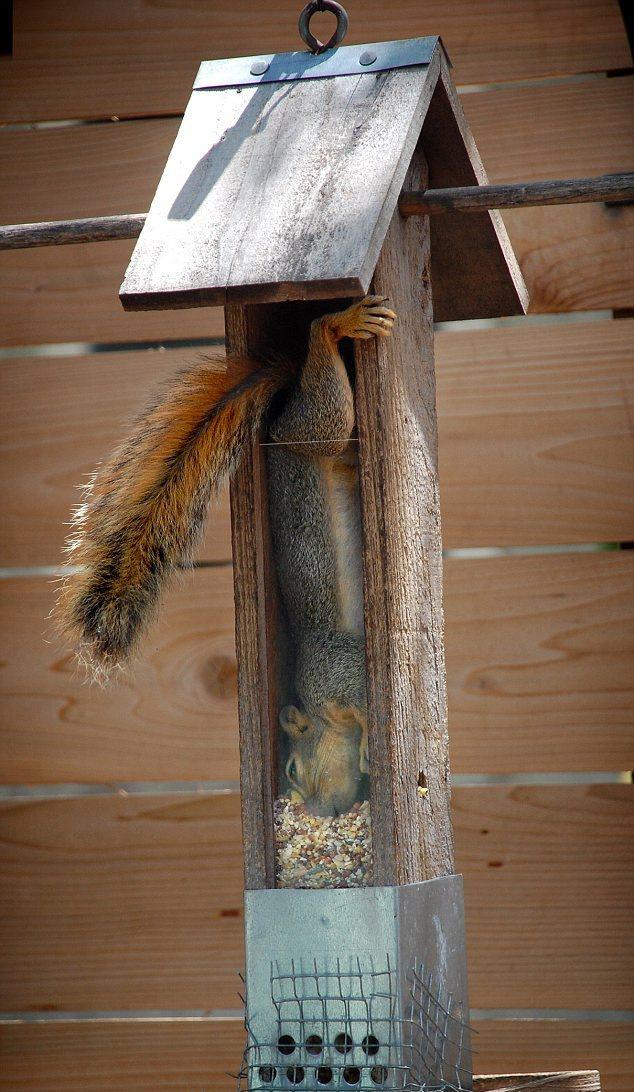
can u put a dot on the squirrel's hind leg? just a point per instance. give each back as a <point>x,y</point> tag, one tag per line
<point>320,408</point>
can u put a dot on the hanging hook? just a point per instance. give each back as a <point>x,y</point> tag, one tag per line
<point>305,17</point>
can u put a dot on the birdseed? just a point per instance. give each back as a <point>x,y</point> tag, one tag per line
<point>316,851</point>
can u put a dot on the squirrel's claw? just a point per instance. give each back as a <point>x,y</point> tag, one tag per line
<point>365,319</point>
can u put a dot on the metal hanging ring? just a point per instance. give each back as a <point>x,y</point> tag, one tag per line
<point>305,17</point>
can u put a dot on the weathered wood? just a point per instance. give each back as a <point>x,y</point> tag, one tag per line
<point>473,266</point>
<point>552,245</point>
<point>402,563</point>
<point>569,130</point>
<point>259,200</point>
<point>538,672</point>
<point>153,1055</point>
<point>135,902</point>
<point>611,187</point>
<point>92,229</point>
<point>416,203</point>
<point>99,61</point>
<point>512,1046</point>
<point>254,589</point>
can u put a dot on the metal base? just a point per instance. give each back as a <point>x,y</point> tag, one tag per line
<point>357,989</point>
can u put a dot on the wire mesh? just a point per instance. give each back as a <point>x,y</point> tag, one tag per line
<point>350,1026</point>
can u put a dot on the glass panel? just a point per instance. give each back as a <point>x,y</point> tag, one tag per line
<point>322,812</point>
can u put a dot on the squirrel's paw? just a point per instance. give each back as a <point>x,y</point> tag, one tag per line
<point>365,319</point>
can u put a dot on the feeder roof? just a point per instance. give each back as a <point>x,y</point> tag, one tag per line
<point>285,174</point>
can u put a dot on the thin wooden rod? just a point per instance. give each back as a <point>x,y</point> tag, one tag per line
<point>93,229</point>
<point>99,229</point>
<point>567,191</point>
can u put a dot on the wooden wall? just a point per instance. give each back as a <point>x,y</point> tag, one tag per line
<point>122,920</point>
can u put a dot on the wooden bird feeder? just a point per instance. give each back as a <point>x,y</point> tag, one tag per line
<point>281,195</point>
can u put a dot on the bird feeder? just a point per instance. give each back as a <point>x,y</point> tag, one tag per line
<point>280,201</point>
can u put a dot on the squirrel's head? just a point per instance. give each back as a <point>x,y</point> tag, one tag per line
<point>323,766</point>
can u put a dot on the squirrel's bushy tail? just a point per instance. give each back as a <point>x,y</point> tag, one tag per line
<point>144,509</point>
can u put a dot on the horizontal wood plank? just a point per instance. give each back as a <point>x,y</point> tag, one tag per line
<point>63,416</point>
<point>570,129</point>
<point>135,902</point>
<point>172,717</point>
<point>535,441</point>
<point>96,61</point>
<point>538,654</point>
<point>158,1055</point>
<point>68,294</point>
<point>573,258</point>
<point>538,673</point>
<point>567,130</point>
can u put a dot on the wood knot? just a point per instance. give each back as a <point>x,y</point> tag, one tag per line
<point>220,677</point>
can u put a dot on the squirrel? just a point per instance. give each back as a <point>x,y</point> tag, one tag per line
<point>145,508</point>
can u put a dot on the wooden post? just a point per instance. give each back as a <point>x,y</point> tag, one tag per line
<point>254,589</point>
<point>407,703</point>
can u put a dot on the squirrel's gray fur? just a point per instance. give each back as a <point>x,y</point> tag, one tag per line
<point>314,509</point>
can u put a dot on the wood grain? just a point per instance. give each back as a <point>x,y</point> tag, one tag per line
<point>156,1055</point>
<point>254,592</point>
<point>173,716</point>
<point>582,1081</point>
<point>67,294</point>
<point>535,435</point>
<point>95,62</point>
<point>61,417</point>
<point>121,165</point>
<point>505,1045</point>
<point>95,229</point>
<point>473,267</point>
<point>118,902</point>
<point>62,294</point>
<point>402,567</point>
<point>535,440</point>
<point>538,649</point>
<point>574,257</point>
<point>569,129</point>
<point>538,659</point>
<point>609,188</point>
<point>259,200</point>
